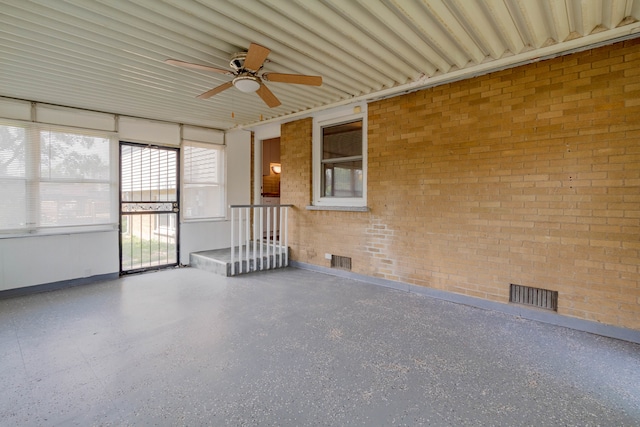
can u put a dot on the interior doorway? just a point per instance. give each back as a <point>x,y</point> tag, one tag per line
<point>149,207</point>
<point>271,169</point>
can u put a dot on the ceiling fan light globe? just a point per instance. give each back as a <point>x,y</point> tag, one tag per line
<point>246,84</point>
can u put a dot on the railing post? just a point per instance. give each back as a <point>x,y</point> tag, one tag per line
<point>268,236</point>
<point>254,241</point>
<point>275,228</point>
<point>286,236</point>
<point>240,241</point>
<point>261,237</point>
<point>279,236</point>
<point>247,237</point>
<point>233,247</point>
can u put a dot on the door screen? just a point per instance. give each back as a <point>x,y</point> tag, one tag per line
<point>149,207</point>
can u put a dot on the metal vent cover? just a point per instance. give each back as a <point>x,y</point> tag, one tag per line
<point>341,262</point>
<point>536,297</point>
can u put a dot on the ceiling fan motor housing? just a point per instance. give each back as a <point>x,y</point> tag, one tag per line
<point>237,61</point>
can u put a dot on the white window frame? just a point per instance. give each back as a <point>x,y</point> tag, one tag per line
<point>334,117</point>
<point>222,182</point>
<point>33,181</point>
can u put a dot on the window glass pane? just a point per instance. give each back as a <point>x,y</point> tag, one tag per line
<point>344,140</point>
<point>13,209</point>
<point>12,151</point>
<point>74,204</point>
<point>343,179</point>
<point>203,189</point>
<point>203,201</point>
<point>69,155</point>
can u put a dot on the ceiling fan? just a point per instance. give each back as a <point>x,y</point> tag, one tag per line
<point>246,66</point>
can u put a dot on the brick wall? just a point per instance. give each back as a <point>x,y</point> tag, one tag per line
<point>529,175</point>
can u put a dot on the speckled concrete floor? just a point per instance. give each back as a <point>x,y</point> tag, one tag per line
<point>292,347</point>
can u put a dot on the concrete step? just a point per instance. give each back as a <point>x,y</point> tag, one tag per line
<point>218,261</point>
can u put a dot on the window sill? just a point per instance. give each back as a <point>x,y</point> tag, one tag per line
<point>197,220</point>
<point>59,231</point>
<point>338,208</point>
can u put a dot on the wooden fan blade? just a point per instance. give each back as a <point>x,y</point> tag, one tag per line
<point>299,79</point>
<point>268,97</point>
<point>255,57</point>
<point>197,66</point>
<point>215,90</point>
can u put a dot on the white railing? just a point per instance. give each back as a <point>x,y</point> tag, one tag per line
<point>263,245</point>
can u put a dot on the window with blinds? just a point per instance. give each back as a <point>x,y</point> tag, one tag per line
<point>55,178</point>
<point>203,181</point>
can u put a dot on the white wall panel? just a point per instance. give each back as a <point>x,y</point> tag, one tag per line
<point>29,261</point>
<point>202,236</point>
<point>238,167</point>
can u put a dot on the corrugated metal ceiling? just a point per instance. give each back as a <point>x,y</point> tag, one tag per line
<point>109,55</point>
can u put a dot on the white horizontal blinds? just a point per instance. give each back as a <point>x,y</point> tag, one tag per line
<point>148,175</point>
<point>54,177</point>
<point>75,186</point>
<point>203,176</point>
<point>13,177</point>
